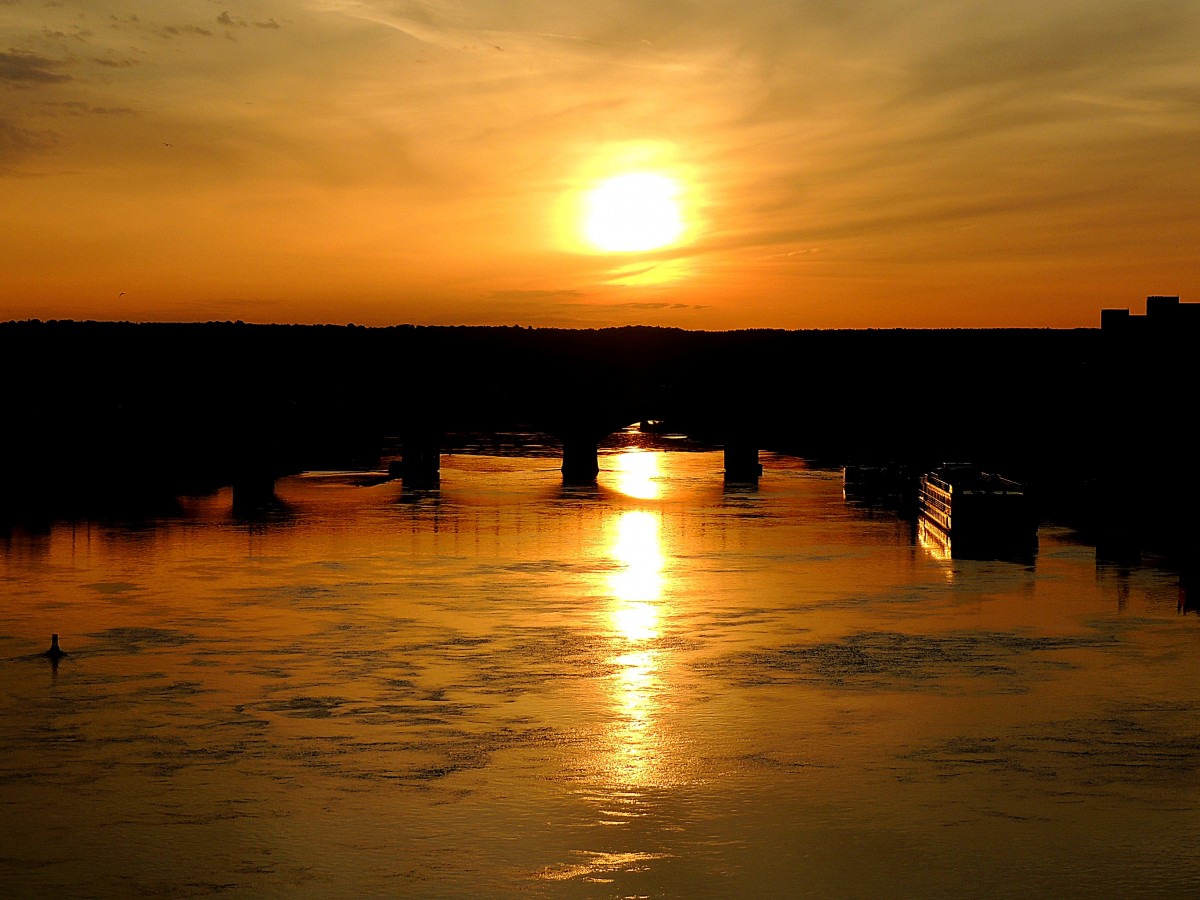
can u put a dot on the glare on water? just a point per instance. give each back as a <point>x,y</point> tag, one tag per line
<point>659,686</point>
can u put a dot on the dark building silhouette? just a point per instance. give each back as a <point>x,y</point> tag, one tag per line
<point>1165,315</point>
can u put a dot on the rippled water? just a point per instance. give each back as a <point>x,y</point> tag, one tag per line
<point>658,687</point>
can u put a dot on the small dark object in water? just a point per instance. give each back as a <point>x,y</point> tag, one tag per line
<point>55,651</point>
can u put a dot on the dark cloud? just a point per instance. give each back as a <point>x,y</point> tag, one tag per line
<point>17,144</point>
<point>185,30</point>
<point>115,63</point>
<point>79,108</point>
<point>649,305</point>
<point>81,36</point>
<point>29,68</point>
<point>235,22</point>
<point>158,30</point>
<point>572,298</point>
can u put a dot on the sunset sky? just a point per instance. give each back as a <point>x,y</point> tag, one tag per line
<point>834,163</point>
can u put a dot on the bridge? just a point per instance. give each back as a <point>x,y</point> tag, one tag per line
<point>577,410</point>
<point>105,415</point>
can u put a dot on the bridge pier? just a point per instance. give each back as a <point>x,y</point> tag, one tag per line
<point>420,462</point>
<point>253,492</point>
<point>741,463</point>
<point>580,459</point>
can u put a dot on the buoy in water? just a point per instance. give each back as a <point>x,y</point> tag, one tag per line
<point>55,651</point>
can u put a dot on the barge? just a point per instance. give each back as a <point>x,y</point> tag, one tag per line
<point>977,512</point>
<point>888,484</point>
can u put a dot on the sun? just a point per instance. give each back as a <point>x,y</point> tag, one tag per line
<point>632,212</point>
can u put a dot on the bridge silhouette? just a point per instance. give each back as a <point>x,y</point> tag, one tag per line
<point>110,415</point>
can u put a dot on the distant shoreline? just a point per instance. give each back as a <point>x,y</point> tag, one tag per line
<point>518,327</point>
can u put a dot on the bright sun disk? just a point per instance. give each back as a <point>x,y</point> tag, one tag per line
<point>634,211</point>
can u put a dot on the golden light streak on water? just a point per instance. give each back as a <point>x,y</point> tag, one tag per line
<point>936,546</point>
<point>638,474</point>
<point>636,592</point>
<point>638,581</point>
<point>635,734</point>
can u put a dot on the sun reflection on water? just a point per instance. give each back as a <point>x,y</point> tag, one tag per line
<point>638,474</point>
<point>637,583</point>
<point>636,590</point>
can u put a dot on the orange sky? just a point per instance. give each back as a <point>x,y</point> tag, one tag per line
<point>848,164</point>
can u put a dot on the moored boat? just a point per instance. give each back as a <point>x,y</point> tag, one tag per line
<point>889,484</point>
<point>977,511</point>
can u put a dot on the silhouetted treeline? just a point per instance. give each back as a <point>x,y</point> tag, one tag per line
<point>102,413</point>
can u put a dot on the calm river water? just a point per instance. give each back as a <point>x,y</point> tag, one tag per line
<point>657,687</point>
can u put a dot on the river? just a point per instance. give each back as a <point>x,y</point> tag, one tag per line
<point>659,686</point>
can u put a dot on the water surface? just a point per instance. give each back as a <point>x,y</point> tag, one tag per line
<point>657,687</point>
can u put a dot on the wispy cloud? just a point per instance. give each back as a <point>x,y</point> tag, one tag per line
<point>231,21</point>
<point>21,68</point>
<point>18,144</point>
